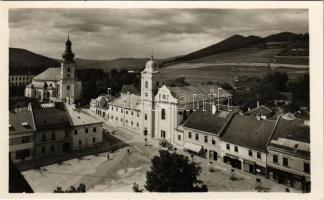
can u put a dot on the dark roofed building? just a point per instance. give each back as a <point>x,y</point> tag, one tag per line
<point>249,132</point>
<point>17,183</point>
<point>208,120</point>
<point>131,89</point>
<point>261,111</point>
<point>52,117</point>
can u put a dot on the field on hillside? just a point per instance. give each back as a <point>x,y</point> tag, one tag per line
<point>242,55</point>
<point>196,73</point>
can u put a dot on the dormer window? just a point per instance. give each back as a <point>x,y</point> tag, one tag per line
<point>25,125</point>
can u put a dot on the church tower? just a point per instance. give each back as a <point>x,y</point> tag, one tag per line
<point>67,80</point>
<point>149,86</point>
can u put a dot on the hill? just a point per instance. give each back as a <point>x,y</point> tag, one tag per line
<point>251,49</point>
<point>24,58</point>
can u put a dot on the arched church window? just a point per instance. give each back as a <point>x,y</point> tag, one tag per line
<point>163,114</point>
<point>146,84</point>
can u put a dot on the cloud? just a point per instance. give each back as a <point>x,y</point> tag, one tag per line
<point>112,33</point>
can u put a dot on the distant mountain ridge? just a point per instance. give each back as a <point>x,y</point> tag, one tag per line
<point>236,47</point>
<point>237,42</point>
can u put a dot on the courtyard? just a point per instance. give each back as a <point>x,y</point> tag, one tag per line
<point>128,165</point>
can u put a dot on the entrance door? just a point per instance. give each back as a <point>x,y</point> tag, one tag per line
<point>215,155</point>
<point>251,168</point>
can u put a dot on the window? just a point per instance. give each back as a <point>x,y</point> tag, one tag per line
<point>43,150</point>
<point>306,167</point>
<point>189,134</point>
<point>116,109</point>
<point>52,148</point>
<point>146,84</point>
<point>163,114</point>
<point>66,134</point>
<point>206,139</point>
<point>146,94</point>
<point>162,134</point>
<point>275,159</point>
<point>259,155</point>
<point>250,152</point>
<point>94,129</point>
<point>68,69</point>
<point>126,121</point>
<point>25,139</point>
<point>68,87</point>
<point>44,137</point>
<point>121,110</point>
<point>213,141</point>
<point>132,123</point>
<point>80,142</point>
<point>116,118</point>
<point>145,116</point>
<point>228,147</point>
<point>179,137</point>
<point>236,148</point>
<point>75,132</point>
<point>132,113</point>
<point>137,114</point>
<point>53,136</point>
<point>126,112</point>
<point>285,161</point>
<point>86,130</point>
<point>137,124</point>
<point>145,131</point>
<point>94,140</point>
<point>197,136</point>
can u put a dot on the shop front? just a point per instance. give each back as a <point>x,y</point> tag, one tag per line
<point>232,160</point>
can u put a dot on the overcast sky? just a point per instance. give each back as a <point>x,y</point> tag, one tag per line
<point>114,33</point>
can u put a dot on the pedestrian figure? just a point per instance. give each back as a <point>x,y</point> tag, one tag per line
<point>108,156</point>
<point>232,175</point>
<point>258,184</point>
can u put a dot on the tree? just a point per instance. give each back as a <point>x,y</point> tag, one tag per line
<point>171,172</point>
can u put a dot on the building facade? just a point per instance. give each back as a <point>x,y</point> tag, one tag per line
<point>20,79</point>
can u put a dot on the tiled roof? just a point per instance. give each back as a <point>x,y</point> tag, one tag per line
<point>52,74</point>
<point>201,91</point>
<point>249,132</point>
<point>79,118</point>
<point>16,121</point>
<point>293,130</point>
<point>131,101</point>
<point>261,110</point>
<point>51,118</point>
<point>129,88</point>
<point>207,121</point>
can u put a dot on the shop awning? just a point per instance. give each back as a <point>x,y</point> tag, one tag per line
<point>192,147</point>
<point>232,156</point>
<point>249,162</point>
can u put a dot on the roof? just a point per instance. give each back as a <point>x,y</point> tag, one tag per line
<point>51,117</point>
<point>292,130</point>
<point>17,182</point>
<point>131,101</point>
<point>249,132</point>
<point>16,121</point>
<point>200,92</point>
<point>50,74</point>
<point>261,110</point>
<point>207,121</point>
<point>36,84</point>
<point>129,88</point>
<point>79,118</point>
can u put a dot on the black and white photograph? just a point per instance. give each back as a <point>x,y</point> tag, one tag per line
<point>170,100</point>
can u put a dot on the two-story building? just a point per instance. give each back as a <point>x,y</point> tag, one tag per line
<point>202,130</point>
<point>21,136</point>
<point>53,130</point>
<point>289,154</point>
<point>244,142</point>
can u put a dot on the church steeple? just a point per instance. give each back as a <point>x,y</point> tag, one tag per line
<point>68,55</point>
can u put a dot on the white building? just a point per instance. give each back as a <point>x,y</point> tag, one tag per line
<point>159,110</point>
<point>57,83</point>
<point>20,79</point>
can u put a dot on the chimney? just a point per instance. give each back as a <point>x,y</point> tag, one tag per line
<point>109,91</point>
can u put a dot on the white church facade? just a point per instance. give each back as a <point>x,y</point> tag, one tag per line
<point>57,84</point>
<point>158,110</point>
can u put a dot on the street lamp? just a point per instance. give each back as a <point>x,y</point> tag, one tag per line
<point>218,98</point>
